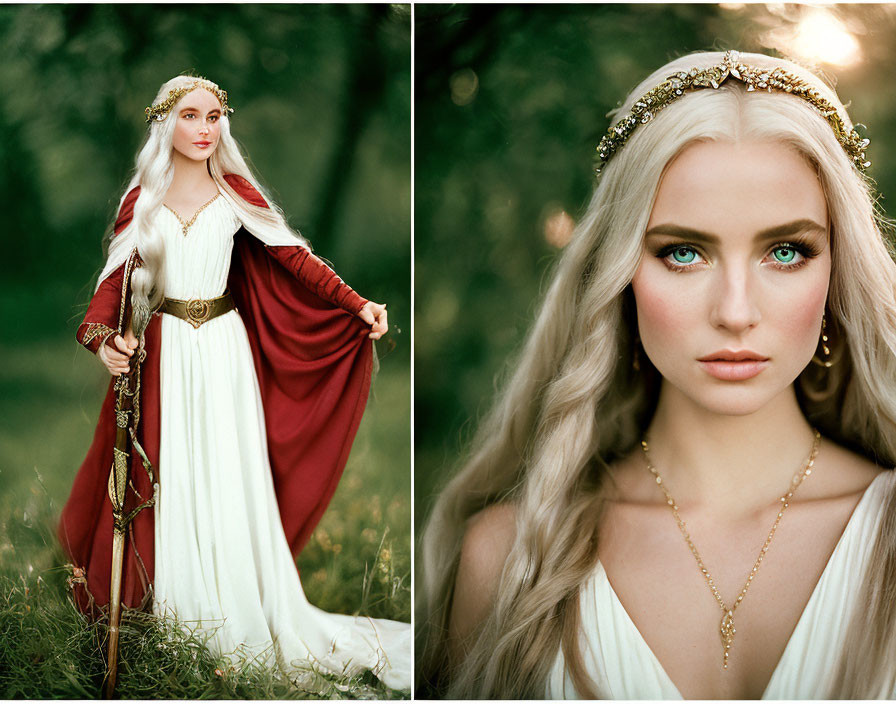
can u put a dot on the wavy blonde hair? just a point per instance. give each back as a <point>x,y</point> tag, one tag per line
<point>573,403</point>
<point>154,172</point>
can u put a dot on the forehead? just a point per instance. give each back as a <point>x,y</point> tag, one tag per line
<point>199,98</point>
<point>739,187</point>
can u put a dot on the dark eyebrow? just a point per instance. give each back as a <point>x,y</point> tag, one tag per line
<point>773,233</point>
<point>198,110</point>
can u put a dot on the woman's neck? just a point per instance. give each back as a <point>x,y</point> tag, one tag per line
<point>727,462</point>
<point>189,175</point>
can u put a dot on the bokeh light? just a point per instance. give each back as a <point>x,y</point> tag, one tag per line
<point>817,36</point>
<point>558,228</point>
<point>464,86</point>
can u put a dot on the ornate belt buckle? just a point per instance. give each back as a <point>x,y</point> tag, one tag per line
<point>198,311</point>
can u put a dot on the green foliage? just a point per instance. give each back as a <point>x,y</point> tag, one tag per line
<point>50,650</point>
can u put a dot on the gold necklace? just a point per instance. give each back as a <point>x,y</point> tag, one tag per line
<point>726,627</point>
<point>185,226</point>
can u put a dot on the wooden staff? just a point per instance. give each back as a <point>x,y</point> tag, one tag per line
<point>127,413</point>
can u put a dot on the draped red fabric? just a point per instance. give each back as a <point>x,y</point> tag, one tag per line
<point>307,268</point>
<point>313,361</point>
<point>126,211</point>
<point>85,526</point>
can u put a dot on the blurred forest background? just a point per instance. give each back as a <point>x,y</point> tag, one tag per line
<point>321,95</point>
<point>510,104</point>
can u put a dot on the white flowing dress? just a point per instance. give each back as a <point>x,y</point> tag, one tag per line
<point>623,666</point>
<point>222,561</point>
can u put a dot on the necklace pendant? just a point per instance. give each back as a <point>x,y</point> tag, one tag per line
<point>726,626</point>
<point>727,630</point>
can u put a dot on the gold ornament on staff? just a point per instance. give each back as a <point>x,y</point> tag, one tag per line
<point>726,626</point>
<point>127,416</point>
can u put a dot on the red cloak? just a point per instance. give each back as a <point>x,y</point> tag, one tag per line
<point>313,359</point>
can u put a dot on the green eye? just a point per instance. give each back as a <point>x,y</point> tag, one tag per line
<point>683,255</point>
<point>785,255</point>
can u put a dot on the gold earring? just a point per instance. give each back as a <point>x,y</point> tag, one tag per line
<point>824,361</point>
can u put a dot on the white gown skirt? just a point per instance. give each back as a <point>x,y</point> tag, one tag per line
<point>222,561</point>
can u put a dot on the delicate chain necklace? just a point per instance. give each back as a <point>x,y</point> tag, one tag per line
<point>726,627</point>
<point>185,226</point>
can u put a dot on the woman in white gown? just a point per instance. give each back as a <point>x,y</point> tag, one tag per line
<point>685,489</point>
<point>222,561</point>
<point>221,556</point>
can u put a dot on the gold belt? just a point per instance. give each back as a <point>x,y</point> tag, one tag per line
<point>197,311</point>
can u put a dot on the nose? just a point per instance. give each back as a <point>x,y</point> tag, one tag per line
<point>734,306</point>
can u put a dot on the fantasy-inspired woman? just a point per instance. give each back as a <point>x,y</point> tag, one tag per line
<point>684,490</point>
<point>256,366</point>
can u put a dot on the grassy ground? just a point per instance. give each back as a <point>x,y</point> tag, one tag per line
<point>358,560</point>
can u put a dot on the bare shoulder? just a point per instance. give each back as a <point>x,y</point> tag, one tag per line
<point>841,472</point>
<point>486,545</point>
<point>489,537</point>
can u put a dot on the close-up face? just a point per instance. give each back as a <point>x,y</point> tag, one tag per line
<point>198,116</point>
<point>732,285</point>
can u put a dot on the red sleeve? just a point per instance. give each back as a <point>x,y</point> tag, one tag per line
<point>310,270</point>
<point>317,277</point>
<point>101,319</point>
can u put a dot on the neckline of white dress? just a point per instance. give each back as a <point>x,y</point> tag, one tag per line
<point>187,224</point>
<point>861,508</point>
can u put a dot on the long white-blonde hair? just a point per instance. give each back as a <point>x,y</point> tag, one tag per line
<point>154,172</point>
<point>573,404</point>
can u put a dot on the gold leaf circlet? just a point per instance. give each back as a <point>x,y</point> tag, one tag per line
<point>159,111</point>
<point>754,78</point>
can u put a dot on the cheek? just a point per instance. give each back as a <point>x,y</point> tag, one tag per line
<point>798,316</point>
<point>666,308</point>
<point>808,308</point>
<point>795,305</point>
<point>180,132</point>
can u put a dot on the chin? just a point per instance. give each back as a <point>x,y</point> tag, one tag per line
<point>734,404</point>
<point>732,398</point>
<point>196,154</point>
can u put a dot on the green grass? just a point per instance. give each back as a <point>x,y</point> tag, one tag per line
<point>357,561</point>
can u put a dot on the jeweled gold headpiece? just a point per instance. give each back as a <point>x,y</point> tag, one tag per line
<point>754,78</point>
<point>158,112</point>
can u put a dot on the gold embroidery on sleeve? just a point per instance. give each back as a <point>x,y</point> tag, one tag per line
<point>96,330</point>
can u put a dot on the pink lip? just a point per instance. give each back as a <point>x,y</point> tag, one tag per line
<point>733,365</point>
<point>734,371</point>
<point>734,356</point>
<point>201,144</point>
